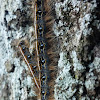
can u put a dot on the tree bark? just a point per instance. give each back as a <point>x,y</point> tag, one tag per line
<point>77,27</point>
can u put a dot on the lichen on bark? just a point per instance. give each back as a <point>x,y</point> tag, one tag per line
<point>78,77</point>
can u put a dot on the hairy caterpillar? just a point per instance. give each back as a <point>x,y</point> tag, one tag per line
<point>30,62</point>
<point>46,54</point>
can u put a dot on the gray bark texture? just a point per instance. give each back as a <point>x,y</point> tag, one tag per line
<point>77,27</point>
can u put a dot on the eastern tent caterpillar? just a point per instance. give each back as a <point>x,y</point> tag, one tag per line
<point>29,61</point>
<point>43,30</point>
<point>46,55</point>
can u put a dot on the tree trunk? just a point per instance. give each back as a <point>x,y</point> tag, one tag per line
<point>77,27</point>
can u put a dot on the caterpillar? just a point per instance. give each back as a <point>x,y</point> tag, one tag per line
<point>43,67</point>
<point>30,62</point>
